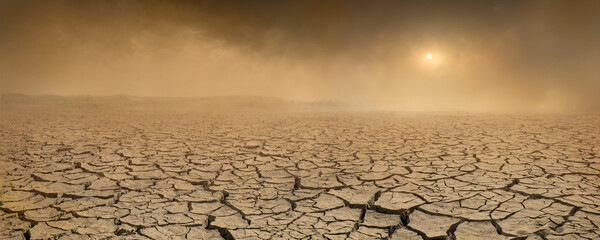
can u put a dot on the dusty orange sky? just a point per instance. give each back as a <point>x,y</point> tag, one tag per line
<point>486,55</point>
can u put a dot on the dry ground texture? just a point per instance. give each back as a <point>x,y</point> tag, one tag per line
<point>97,174</point>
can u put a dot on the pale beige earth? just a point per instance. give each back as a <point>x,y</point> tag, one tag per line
<point>101,174</point>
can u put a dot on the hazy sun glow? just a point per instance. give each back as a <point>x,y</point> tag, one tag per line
<point>428,56</point>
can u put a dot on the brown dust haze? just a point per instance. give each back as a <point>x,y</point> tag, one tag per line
<point>485,55</point>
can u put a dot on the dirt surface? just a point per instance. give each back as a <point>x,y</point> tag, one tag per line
<point>298,175</point>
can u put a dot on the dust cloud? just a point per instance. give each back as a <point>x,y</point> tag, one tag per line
<point>486,55</point>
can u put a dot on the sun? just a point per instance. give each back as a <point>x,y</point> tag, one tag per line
<point>428,56</point>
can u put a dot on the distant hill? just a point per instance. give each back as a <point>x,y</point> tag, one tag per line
<point>133,103</point>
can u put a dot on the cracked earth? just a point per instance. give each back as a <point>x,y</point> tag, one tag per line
<point>304,175</point>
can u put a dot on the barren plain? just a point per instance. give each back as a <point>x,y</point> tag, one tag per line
<point>95,173</point>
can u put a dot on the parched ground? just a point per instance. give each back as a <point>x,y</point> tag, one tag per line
<point>303,175</point>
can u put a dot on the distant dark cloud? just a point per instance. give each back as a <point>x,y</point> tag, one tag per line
<point>488,55</point>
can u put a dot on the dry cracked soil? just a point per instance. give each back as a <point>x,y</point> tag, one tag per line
<point>298,175</point>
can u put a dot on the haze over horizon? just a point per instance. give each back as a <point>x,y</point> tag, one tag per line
<point>430,55</point>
